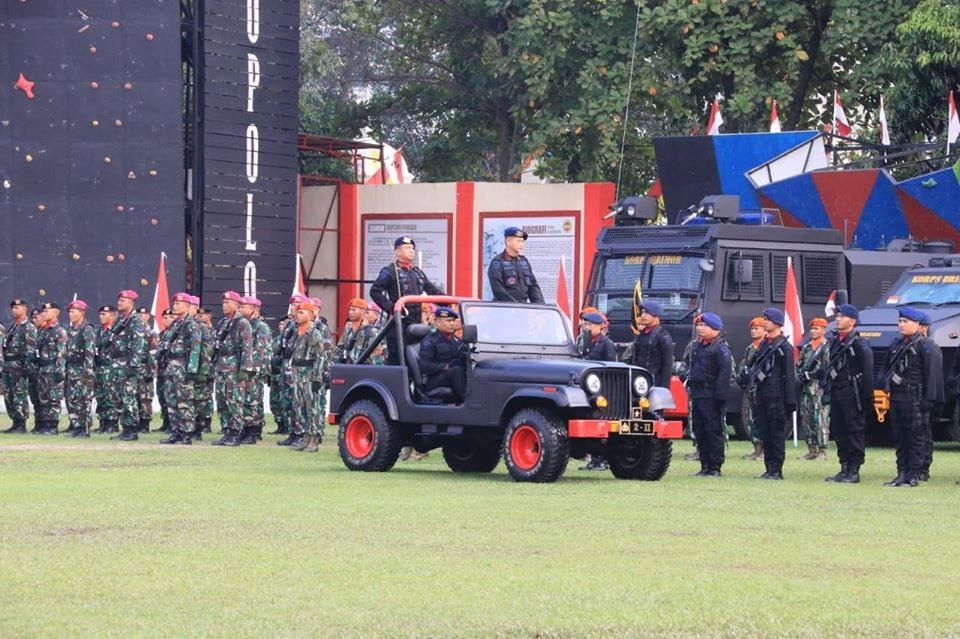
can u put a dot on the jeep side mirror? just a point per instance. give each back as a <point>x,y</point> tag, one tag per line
<point>469,334</point>
<point>743,271</point>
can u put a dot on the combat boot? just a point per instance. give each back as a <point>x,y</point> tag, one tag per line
<point>248,437</point>
<point>852,476</point>
<point>19,427</point>
<point>80,433</point>
<point>812,451</point>
<point>899,480</point>
<point>206,425</point>
<point>313,444</point>
<point>221,441</point>
<point>301,442</point>
<point>113,426</point>
<point>232,438</point>
<point>841,476</point>
<point>50,428</point>
<point>38,425</point>
<point>174,438</point>
<point>144,426</point>
<point>129,434</point>
<point>289,440</point>
<point>186,439</point>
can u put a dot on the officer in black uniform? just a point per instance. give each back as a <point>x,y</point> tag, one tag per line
<point>653,346</point>
<point>848,380</point>
<point>915,383</point>
<point>510,274</point>
<point>599,347</point>
<point>937,354</point>
<point>773,379</point>
<point>396,280</point>
<point>711,364</point>
<point>443,356</point>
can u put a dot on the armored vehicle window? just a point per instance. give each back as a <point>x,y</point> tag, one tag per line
<point>734,287</point>
<point>621,272</point>
<point>819,277</point>
<point>670,279</point>
<point>505,324</point>
<point>778,280</point>
<point>924,288</point>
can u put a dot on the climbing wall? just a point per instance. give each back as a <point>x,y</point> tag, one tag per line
<point>91,152</point>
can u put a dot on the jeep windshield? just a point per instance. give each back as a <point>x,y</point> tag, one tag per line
<point>508,324</point>
<point>671,279</point>
<point>924,288</point>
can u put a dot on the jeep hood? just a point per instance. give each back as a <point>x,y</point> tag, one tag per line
<point>554,371</point>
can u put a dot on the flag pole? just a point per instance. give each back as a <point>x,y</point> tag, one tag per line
<point>833,129</point>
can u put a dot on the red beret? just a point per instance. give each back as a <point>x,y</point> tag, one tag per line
<point>298,298</point>
<point>77,304</point>
<point>251,300</point>
<point>127,293</point>
<point>232,296</point>
<point>316,302</point>
<point>183,297</point>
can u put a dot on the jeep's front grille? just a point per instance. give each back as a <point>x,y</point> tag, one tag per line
<point>615,386</point>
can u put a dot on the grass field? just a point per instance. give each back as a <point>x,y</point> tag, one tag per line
<point>101,539</point>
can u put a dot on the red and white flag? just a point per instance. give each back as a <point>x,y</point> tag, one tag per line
<point>298,285</point>
<point>831,307</point>
<point>884,129</point>
<point>793,317</point>
<point>840,124</point>
<point>161,296</point>
<point>713,125</point>
<point>562,300</point>
<point>774,119</point>
<point>953,121</point>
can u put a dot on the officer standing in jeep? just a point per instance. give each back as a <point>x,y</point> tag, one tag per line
<point>653,346</point>
<point>510,274</point>
<point>711,366</point>
<point>396,280</point>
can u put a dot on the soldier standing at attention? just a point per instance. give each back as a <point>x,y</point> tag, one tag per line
<point>307,361</point>
<point>653,346</point>
<point>326,340</point>
<point>848,377</point>
<point>277,389</point>
<point>599,348</point>
<point>203,389</point>
<point>368,331</point>
<point>78,387</point>
<point>38,320</point>
<point>284,410</point>
<point>711,366</point>
<point>397,280</point>
<point>746,403</point>
<point>510,274</point>
<point>774,381</point>
<point>253,406</point>
<point>128,348</point>
<point>915,384</point>
<point>355,310</point>
<point>106,386</point>
<point>934,348</point>
<point>51,369</point>
<point>166,320</point>
<point>148,372</point>
<point>181,362</point>
<point>233,366</point>
<point>19,344</point>
<point>814,406</point>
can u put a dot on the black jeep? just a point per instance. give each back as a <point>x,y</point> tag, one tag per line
<point>529,399</point>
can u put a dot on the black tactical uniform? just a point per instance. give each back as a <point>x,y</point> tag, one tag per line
<point>600,348</point>
<point>774,377</point>
<point>708,381</point>
<point>848,378</point>
<point>653,350</point>
<point>937,355</point>
<point>441,362</point>
<point>512,279</point>
<point>395,281</point>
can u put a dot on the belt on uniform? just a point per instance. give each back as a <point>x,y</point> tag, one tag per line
<point>304,362</point>
<point>13,358</point>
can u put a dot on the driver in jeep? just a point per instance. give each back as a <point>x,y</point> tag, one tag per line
<point>442,355</point>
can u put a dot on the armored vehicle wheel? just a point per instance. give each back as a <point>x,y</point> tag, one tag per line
<point>367,439</point>
<point>535,446</point>
<point>472,457</point>
<point>644,458</point>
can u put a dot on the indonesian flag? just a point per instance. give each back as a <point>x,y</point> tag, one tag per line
<point>161,296</point>
<point>953,122</point>
<point>713,125</point>
<point>298,285</point>
<point>831,307</point>
<point>793,318</point>
<point>840,124</point>
<point>774,119</point>
<point>884,130</point>
<point>562,301</point>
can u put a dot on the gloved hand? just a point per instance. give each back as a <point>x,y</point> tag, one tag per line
<point>244,376</point>
<point>316,386</point>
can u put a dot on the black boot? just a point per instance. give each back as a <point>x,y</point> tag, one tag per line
<point>287,441</point>
<point>113,426</point>
<point>297,441</point>
<point>19,427</point>
<point>144,426</point>
<point>852,475</point>
<point>841,476</point>
<point>899,480</point>
<point>38,426</point>
<point>174,438</point>
<point>206,425</point>
<point>230,438</point>
<point>186,439</point>
<point>50,427</point>
<point>282,428</point>
<point>79,433</point>
<point>248,436</point>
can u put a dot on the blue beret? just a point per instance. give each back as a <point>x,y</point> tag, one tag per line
<point>593,318</point>
<point>848,310</point>
<point>403,239</point>
<point>654,308</point>
<point>515,231</point>
<point>775,315</point>
<point>925,318</point>
<point>911,314</point>
<point>446,311</point>
<point>712,320</point>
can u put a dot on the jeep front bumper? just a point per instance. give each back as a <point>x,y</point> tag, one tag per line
<point>604,428</point>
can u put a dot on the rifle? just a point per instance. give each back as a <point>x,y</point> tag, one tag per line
<point>761,366</point>
<point>829,372</point>
<point>900,357</point>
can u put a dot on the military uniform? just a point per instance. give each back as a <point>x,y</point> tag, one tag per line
<point>600,348</point>
<point>107,380</point>
<point>937,354</point>
<point>652,349</point>
<point>128,347</point>
<point>281,389</point>
<point>814,413</point>
<point>148,374</point>
<point>162,344</point>
<point>848,379</point>
<point>708,384</point>
<point>326,340</point>
<point>512,279</point>
<point>78,389</point>
<point>747,400</point>
<point>51,373</point>
<point>773,380</point>
<point>234,368</point>
<point>253,417</point>
<point>180,366</point>
<point>348,339</point>
<point>19,346</point>
<point>307,362</point>
<point>203,386</point>
<point>365,337</point>
<point>442,364</point>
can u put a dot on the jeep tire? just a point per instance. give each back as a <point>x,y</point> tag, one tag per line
<point>535,446</point>
<point>470,456</point>
<point>367,439</point>
<point>643,458</point>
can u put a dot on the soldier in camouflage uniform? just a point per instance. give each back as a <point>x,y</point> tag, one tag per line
<point>106,385</point>
<point>166,320</point>
<point>149,372</point>
<point>371,326</point>
<point>348,337</point>
<point>51,370</point>
<point>309,362</point>
<point>78,388</point>
<point>19,345</point>
<point>37,319</point>
<point>128,348</point>
<point>757,335</point>
<point>203,390</point>
<point>233,367</point>
<point>253,402</point>
<point>814,413</point>
<point>180,364</point>
<point>281,378</point>
<point>326,339</point>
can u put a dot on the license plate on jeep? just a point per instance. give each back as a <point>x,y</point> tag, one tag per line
<point>636,427</point>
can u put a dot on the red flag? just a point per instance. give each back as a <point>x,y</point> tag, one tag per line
<point>713,125</point>
<point>161,296</point>
<point>830,309</point>
<point>774,119</point>
<point>398,164</point>
<point>298,285</point>
<point>562,301</point>
<point>793,326</point>
<point>953,121</point>
<point>840,124</point>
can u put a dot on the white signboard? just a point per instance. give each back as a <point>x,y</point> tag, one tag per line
<point>430,234</point>
<point>551,240</point>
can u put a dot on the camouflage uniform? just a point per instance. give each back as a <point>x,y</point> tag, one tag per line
<point>814,407</point>
<point>51,372</point>
<point>180,364</point>
<point>326,360</point>
<point>147,377</point>
<point>281,381</point>
<point>253,403</point>
<point>203,388</point>
<point>128,347</point>
<point>233,358</point>
<point>309,362</point>
<point>78,389</point>
<point>106,387</point>
<point>19,345</point>
<point>162,345</point>
<point>364,336</point>
<point>746,402</point>
<point>348,339</point>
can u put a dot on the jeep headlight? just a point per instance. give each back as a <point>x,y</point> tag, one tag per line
<point>592,382</point>
<point>641,385</point>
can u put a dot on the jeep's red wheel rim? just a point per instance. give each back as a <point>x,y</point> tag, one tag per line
<point>525,449</point>
<point>359,437</point>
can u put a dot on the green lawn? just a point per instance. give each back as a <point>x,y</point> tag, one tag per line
<point>99,539</point>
